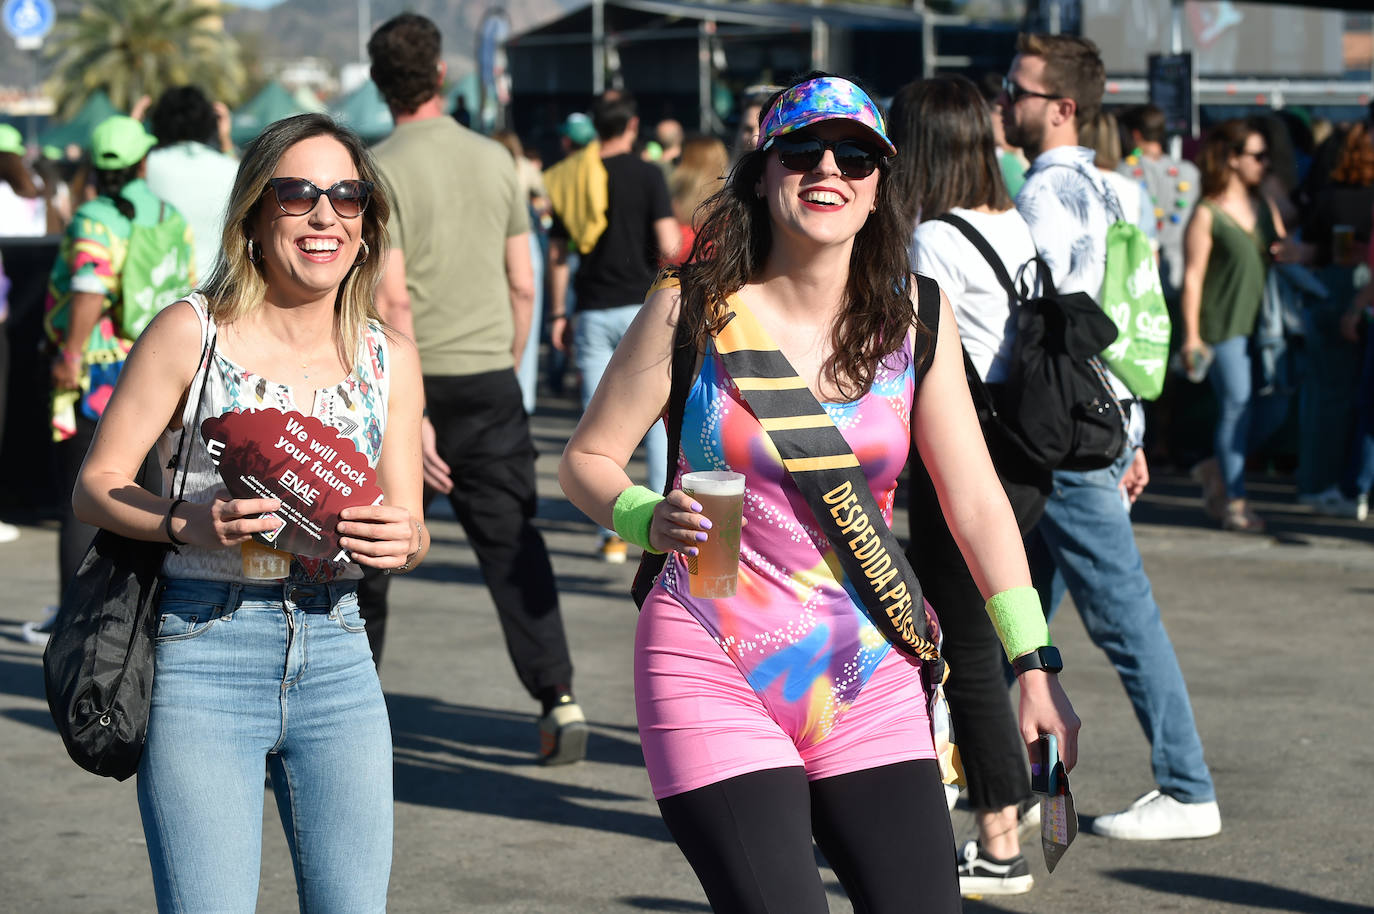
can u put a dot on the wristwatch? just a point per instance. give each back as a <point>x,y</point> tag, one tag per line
<point>1042,658</point>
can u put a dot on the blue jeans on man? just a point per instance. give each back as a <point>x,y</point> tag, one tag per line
<point>596,333</point>
<point>1084,543</point>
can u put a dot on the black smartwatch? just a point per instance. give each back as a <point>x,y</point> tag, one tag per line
<point>1042,658</point>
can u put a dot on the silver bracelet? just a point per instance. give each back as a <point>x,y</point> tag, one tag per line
<point>407,565</point>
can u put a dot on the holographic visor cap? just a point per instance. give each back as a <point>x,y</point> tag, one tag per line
<point>827,98</point>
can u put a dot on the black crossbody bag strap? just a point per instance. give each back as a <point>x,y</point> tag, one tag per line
<point>829,476</point>
<point>181,459</point>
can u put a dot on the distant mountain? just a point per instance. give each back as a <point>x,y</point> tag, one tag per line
<point>329,28</point>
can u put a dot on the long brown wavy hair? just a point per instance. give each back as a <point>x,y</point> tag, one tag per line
<point>732,246</point>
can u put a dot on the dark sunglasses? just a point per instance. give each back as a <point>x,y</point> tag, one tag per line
<point>1262,156</point>
<point>1015,93</point>
<point>297,196</point>
<point>803,152</point>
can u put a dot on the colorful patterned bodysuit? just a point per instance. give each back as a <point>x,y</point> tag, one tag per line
<point>773,676</point>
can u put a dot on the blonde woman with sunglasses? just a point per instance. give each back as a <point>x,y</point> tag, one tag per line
<point>275,675</point>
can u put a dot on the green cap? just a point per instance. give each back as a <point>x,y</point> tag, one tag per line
<point>11,140</point>
<point>578,128</point>
<point>52,152</point>
<point>120,142</point>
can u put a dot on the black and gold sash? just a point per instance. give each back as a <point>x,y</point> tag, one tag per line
<point>828,474</point>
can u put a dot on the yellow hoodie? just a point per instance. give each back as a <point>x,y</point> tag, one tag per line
<point>579,189</point>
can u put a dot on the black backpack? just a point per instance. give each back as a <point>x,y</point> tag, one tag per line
<point>1056,409</point>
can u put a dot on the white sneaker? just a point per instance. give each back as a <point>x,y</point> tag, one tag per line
<point>1159,817</point>
<point>8,532</point>
<point>563,734</point>
<point>1333,503</point>
<point>39,632</point>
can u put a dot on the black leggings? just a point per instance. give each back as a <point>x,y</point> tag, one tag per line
<point>885,832</point>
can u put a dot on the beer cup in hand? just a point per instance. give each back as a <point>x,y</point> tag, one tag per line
<point>714,571</point>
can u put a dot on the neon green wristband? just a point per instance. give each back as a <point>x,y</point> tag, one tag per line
<point>1019,620</point>
<point>633,514</point>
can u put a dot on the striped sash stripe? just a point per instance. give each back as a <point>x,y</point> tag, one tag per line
<point>788,423</point>
<point>807,464</point>
<point>789,383</point>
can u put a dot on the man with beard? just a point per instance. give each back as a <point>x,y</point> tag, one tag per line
<point>1084,541</point>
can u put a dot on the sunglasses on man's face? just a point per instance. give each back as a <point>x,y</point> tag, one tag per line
<point>803,152</point>
<point>297,196</point>
<point>1015,92</point>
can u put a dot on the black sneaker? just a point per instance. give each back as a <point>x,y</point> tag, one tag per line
<point>980,874</point>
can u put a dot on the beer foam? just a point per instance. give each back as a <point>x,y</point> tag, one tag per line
<point>713,482</point>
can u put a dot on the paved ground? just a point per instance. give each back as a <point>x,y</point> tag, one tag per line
<point>1274,634</point>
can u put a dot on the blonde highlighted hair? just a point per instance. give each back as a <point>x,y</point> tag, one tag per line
<point>236,287</point>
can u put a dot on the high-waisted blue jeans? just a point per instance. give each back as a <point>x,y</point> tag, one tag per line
<point>272,677</point>
<point>1244,421</point>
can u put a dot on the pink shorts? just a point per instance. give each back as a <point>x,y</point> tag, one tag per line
<point>701,722</point>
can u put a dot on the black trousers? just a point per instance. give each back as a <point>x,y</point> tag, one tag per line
<point>985,726</point>
<point>483,434</point>
<point>884,831</point>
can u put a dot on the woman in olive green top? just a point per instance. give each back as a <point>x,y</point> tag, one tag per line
<point>1231,240</point>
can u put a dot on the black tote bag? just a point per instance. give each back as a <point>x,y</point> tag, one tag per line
<point>98,665</point>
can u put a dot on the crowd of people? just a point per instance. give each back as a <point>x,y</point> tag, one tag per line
<point>887,258</point>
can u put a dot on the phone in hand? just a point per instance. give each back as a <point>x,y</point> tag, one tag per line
<point>1046,769</point>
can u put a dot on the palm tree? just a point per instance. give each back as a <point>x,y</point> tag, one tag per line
<point>132,48</point>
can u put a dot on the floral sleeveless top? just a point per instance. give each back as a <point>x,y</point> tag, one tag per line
<point>356,406</point>
<point>794,628</point>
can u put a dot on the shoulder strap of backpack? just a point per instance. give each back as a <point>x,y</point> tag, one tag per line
<point>680,372</point>
<point>928,310</point>
<point>976,239</point>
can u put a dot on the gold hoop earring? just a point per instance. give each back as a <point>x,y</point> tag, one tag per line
<point>252,248</point>
<point>367,252</point>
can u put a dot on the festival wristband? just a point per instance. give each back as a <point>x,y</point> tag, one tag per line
<point>1019,620</point>
<point>634,514</point>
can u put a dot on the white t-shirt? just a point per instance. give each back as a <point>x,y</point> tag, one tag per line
<point>981,305</point>
<point>196,180</point>
<point>21,216</point>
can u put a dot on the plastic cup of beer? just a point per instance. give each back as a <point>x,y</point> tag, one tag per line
<point>714,571</point>
<point>263,563</point>
<point>1343,250</point>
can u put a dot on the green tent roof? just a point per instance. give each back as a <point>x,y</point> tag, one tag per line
<point>364,111</point>
<point>271,104</point>
<point>78,129</point>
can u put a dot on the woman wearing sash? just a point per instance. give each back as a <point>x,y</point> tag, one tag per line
<point>782,712</point>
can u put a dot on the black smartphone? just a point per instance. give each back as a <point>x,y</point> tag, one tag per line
<point>1045,768</point>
